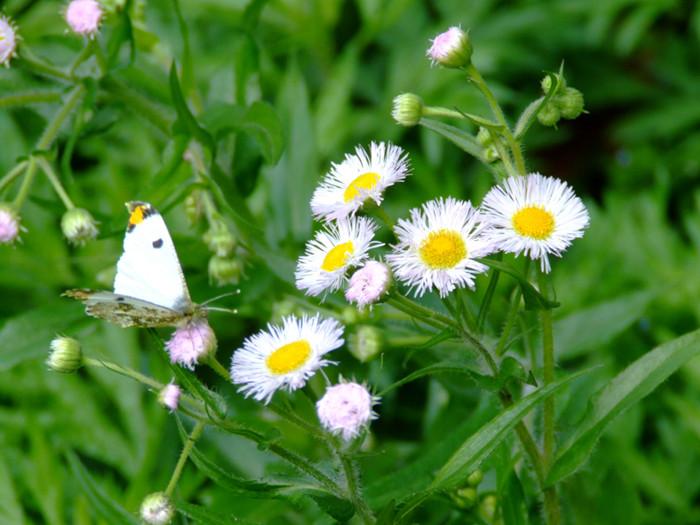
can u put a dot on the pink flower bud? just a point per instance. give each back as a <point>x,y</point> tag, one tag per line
<point>192,343</point>
<point>451,48</point>
<point>169,397</point>
<point>9,225</point>
<point>368,284</point>
<point>345,409</point>
<point>83,16</point>
<point>8,40</point>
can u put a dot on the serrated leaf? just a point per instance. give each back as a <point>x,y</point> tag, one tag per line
<point>481,444</point>
<point>627,388</point>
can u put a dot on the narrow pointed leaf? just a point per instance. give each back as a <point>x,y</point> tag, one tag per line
<point>459,137</point>
<point>534,300</point>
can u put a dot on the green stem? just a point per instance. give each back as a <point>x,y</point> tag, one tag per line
<point>31,97</point>
<point>550,497</point>
<point>511,318</point>
<point>137,103</point>
<point>42,67</point>
<point>436,111</point>
<point>354,489</point>
<point>51,131</point>
<point>128,372</point>
<point>84,54</point>
<point>26,184</point>
<point>217,367</point>
<point>184,455</point>
<point>13,174</point>
<point>55,182</point>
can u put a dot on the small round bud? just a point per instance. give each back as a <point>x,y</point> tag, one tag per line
<point>570,103</point>
<point>464,498</point>
<point>549,115</point>
<point>491,154</point>
<point>192,343</point>
<point>408,109</point>
<point>365,342</point>
<point>66,356</point>
<point>546,83</point>
<point>84,16</point>
<point>156,509</point>
<point>345,409</point>
<point>453,48</point>
<point>78,226</point>
<point>219,239</point>
<point>475,478</point>
<point>8,41</point>
<point>488,507</point>
<point>169,396</point>
<point>484,137</point>
<point>223,271</point>
<point>368,284</point>
<point>193,207</point>
<point>9,224</point>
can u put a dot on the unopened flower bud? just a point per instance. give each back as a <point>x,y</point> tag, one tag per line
<point>169,396</point>
<point>488,507</point>
<point>549,115</point>
<point>475,478</point>
<point>484,137</point>
<point>408,109</point>
<point>368,284</point>
<point>9,224</point>
<point>192,343</point>
<point>84,16</point>
<point>78,226</point>
<point>547,83</point>
<point>464,498</point>
<point>345,409</point>
<point>8,41</point>
<point>223,270</point>
<point>452,48</point>
<point>365,342</point>
<point>193,207</point>
<point>491,154</point>
<point>570,103</point>
<point>156,509</point>
<point>66,355</point>
<point>219,239</point>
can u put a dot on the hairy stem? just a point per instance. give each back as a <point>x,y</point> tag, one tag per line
<point>354,489</point>
<point>13,174</point>
<point>184,455</point>
<point>55,182</point>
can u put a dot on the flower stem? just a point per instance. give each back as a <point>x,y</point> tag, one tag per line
<point>217,367</point>
<point>55,182</point>
<point>26,184</point>
<point>184,455</point>
<point>51,131</point>
<point>550,499</point>
<point>42,67</point>
<point>354,489</point>
<point>436,111</point>
<point>13,174</point>
<point>128,372</point>
<point>511,318</point>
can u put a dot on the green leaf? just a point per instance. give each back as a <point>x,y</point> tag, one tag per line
<point>105,506</point>
<point>596,326</point>
<point>190,381</point>
<point>121,33</point>
<point>10,507</point>
<point>443,368</point>
<point>204,516</point>
<point>629,387</point>
<point>28,335</point>
<point>186,123</point>
<point>481,444</point>
<point>460,138</point>
<point>534,300</point>
<point>338,508</point>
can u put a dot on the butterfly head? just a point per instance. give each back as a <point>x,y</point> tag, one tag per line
<point>138,211</point>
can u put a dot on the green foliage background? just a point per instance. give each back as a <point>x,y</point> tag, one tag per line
<point>300,83</point>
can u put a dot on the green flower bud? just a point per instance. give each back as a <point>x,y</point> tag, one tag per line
<point>78,226</point>
<point>484,138</point>
<point>223,271</point>
<point>491,154</point>
<point>66,355</point>
<point>464,498</point>
<point>546,83</point>
<point>549,115</point>
<point>408,109</point>
<point>475,478</point>
<point>157,509</point>
<point>219,239</point>
<point>570,103</point>
<point>365,342</point>
<point>193,207</point>
<point>453,48</point>
<point>488,507</point>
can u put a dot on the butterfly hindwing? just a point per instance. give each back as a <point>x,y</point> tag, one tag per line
<point>125,311</point>
<point>149,268</point>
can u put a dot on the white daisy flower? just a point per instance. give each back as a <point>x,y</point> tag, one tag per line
<point>284,356</point>
<point>359,177</point>
<point>534,214</point>
<point>332,251</point>
<point>438,247</point>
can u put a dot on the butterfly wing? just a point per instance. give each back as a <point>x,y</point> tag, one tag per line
<point>125,311</point>
<point>149,269</point>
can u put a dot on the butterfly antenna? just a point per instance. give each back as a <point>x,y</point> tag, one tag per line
<point>229,294</point>
<point>233,311</point>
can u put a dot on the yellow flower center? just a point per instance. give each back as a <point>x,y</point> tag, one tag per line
<point>442,249</point>
<point>364,183</point>
<point>337,257</point>
<point>534,222</point>
<point>289,357</point>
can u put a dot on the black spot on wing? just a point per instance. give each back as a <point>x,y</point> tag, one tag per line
<point>158,243</point>
<point>120,299</point>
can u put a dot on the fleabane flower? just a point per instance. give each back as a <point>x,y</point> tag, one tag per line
<point>451,48</point>
<point>535,215</point>
<point>438,247</point>
<point>8,41</point>
<point>78,226</point>
<point>345,409</point>
<point>9,224</point>
<point>284,356</point>
<point>333,250</point>
<point>191,343</point>
<point>156,509</point>
<point>368,284</point>
<point>84,16</point>
<point>361,176</point>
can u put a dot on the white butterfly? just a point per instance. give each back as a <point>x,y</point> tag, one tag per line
<point>149,288</point>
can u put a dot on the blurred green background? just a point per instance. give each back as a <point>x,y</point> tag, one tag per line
<point>330,69</point>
